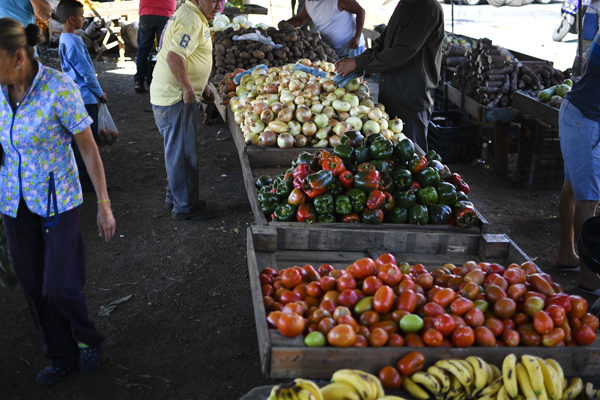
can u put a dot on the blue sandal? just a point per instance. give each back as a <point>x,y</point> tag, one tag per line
<point>51,375</point>
<point>90,359</point>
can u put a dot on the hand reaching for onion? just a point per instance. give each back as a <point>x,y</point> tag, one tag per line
<point>345,66</point>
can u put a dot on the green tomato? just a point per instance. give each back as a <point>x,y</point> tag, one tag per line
<point>404,268</point>
<point>411,323</point>
<point>365,304</point>
<point>315,339</point>
<point>481,304</point>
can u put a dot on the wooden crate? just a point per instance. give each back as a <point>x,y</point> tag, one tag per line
<point>529,105</point>
<point>279,247</point>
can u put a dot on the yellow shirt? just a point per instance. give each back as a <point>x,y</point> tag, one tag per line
<point>187,35</point>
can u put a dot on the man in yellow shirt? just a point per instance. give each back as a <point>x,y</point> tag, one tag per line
<point>178,82</point>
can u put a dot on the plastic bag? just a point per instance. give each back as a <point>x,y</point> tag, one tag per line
<point>238,78</point>
<point>310,70</point>
<point>107,130</point>
<point>258,37</point>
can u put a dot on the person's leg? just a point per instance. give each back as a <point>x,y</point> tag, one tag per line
<point>145,43</point>
<point>188,194</point>
<point>567,256</point>
<point>162,118</point>
<point>158,25</point>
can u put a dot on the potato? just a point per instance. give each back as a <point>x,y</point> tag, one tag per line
<point>258,54</point>
<point>243,55</point>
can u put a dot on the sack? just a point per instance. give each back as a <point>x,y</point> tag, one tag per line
<point>107,130</point>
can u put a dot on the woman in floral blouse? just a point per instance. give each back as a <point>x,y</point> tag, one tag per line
<point>41,112</point>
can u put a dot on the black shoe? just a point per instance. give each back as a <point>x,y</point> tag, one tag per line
<point>51,375</point>
<point>199,213</point>
<point>168,206</point>
<point>139,87</point>
<point>90,359</point>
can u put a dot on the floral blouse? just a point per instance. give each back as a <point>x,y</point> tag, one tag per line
<point>39,164</point>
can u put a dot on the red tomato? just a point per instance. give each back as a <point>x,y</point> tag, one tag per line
<point>272,318</point>
<point>578,306</point>
<point>290,324</point>
<point>505,307</point>
<point>348,320</point>
<point>290,277</point>
<point>311,273</point>
<point>314,289</point>
<point>379,337</point>
<point>371,284</point>
<point>289,296</point>
<point>297,307</point>
<point>410,363</point>
<point>470,290</point>
<point>520,319</point>
<point>348,298</point>
<point>528,335</point>
<point>390,377</point>
<point>406,284</point>
<point>557,313</point>
<point>553,338</point>
<point>444,323</point>
<point>362,268</point>
<point>407,301</point>
<point>590,320</point>
<point>383,299</point>
<point>269,271</point>
<point>398,314</point>
<point>331,295</point>
<point>388,325</point>
<point>341,335</point>
<point>368,318</point>
<point>542,323</point>
<point>390,274</point>
<point>461,305</point>
<point>584,335</point>
<point>510,337</point>
<point>433,338</point>
<point>266,279</point>
<point>317,315</point>
<point>462,336</point>
<point>444,297</point>
<point>476,276</point>
<point>432,309</point>
<point>345,282</point>
<point>267,290</point>
<point>301,290</point>
<point>516,291</point>
<point>385,258</point>
<point>494,293</point>
<point>424,280</point>
<point>474,317</point>
<point>325,269</point>
<point>484,337</point>
<point>395,340</point>
<point>495,325</point>
<point>529,267</point>
<point>562,300</point>
<point>327,305</point>
<point>339,311</point>
<point>327,283</point>
<point>418,269</point>
<point>514,276</point>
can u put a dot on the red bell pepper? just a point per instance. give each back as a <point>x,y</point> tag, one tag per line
<point>298,182</point>
<point>389,203</point>
<point>417,163</point>
<point>301,170</point>
<point>317,183</point>
<point>385,184</point>
<point>459,183</point>
<point>367,180</point>
<point>346,179</point>
<point>375,199</point>
<point>323,155</point>
<point>333,164</point>
<point>465,214</point>
<point>306,213</point>
<point>415,187</point>
<point>296,197</point>
<point>354,217</point>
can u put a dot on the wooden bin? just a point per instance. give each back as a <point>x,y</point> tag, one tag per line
<point>256,161</point>
<point>278,248</point>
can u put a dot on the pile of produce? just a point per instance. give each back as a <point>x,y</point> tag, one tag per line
<point>492,74</point>
<point>454,50</point>
<point>383,302</point>
<point>370,181</point>
<point>554,95</point>
<point>290,107</point>
<point>530,378</point>
<point>230,54</point>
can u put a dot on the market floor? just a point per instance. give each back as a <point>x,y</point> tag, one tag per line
<point>188,330</point>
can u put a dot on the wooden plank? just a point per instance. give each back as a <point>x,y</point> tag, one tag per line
<point>218,103</point>
<point>264,239</point>
<point>529,105</point>
<point>248,179</point>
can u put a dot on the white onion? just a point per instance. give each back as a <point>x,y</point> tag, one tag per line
<point>267,139</point>
<point>285,141</point>
<point>300,140</point>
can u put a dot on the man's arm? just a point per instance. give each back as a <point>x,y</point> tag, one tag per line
<point>353,7</point>
<point>297,20</point>
<point>42,9</point>
<point>408,39</point>
<point>178,67</point>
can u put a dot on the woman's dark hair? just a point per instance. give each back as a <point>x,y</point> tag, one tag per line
<point>66,9</point>
<point>14,36</point>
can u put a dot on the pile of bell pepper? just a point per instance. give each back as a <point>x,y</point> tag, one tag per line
<point>367,180</point>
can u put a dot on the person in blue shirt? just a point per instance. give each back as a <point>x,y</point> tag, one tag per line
<point>25,11</point>
<point>76,63</point>
<point>579,133</point>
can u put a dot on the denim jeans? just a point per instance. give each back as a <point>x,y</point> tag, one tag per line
<point>150,27</point>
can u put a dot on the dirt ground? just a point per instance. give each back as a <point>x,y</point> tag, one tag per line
<point>188,330</point>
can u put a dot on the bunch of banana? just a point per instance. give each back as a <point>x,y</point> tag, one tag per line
<point>454,379</point>
<point>300,389</point>
<point>352,384</point>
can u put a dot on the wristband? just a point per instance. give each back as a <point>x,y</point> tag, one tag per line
<point>103,201</point>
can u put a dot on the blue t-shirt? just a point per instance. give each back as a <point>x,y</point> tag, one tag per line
<point>21,10</point>
<point>76,63</point>
<point>585,94</point>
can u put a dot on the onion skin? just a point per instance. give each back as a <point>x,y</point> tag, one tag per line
<point>267,139</point>
<point>285,141</point>
<point>300,141</point>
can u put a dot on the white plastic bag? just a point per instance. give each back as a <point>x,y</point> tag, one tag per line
<point>107,130</point>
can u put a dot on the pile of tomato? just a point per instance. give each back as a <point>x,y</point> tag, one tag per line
<point>384,303</point>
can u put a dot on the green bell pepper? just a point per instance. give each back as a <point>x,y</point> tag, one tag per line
<point>343,205</point>
<point>381,149</point>
<point>418,215</point>
<point>406,199</point>
<point>416,163</point>
<point>344,151</point>
<point>268,202</point>
<point>324,204</point>
<point>383,167</point>
<point>317,183</point>
<point>432,155</point>
<point>373,138</point>
<point>446,193</point>
<point>353,138</point>
<point>404,150</point>
<point>263,180</point>
<point>306,158</point>
<point>372,216</point>
<point>397,215</point>
<point>367,179</point>
<point>358,198</point>
<point>361,154</point>
<point>461,196</point>
<point>335,188</point>
<point>427,177</point>
<point>439,214</point>
<point>326,218</point>
<point>401,178</point>
<point>285,212</point>
<point>427,196</point>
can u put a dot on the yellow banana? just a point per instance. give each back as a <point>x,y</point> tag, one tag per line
<point>273,394</point>
<point>509,375</point>
<point>524,382</point>
<point>441,376</point>
<point>377,388</point>
<point>390,397</point>
<point>574,389</point>
<point>492,389</point>
<point>427,380</point>
<point>285,393</point>
<point>535,375</point>
<point>551,382</point>
<point>361,386</point>
<point>414,389</point>
<point>309,386</point>
<point>458,370</point>
<point>496,371</point>
<point>554,364</point>
<point>590,392</point>
<point>303,394</point>
<point>455,387</point>
<point>480,371</point>
<point>339,391</point>
<point>503,394</point>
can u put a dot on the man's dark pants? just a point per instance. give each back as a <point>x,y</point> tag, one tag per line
<point>150,27</point>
